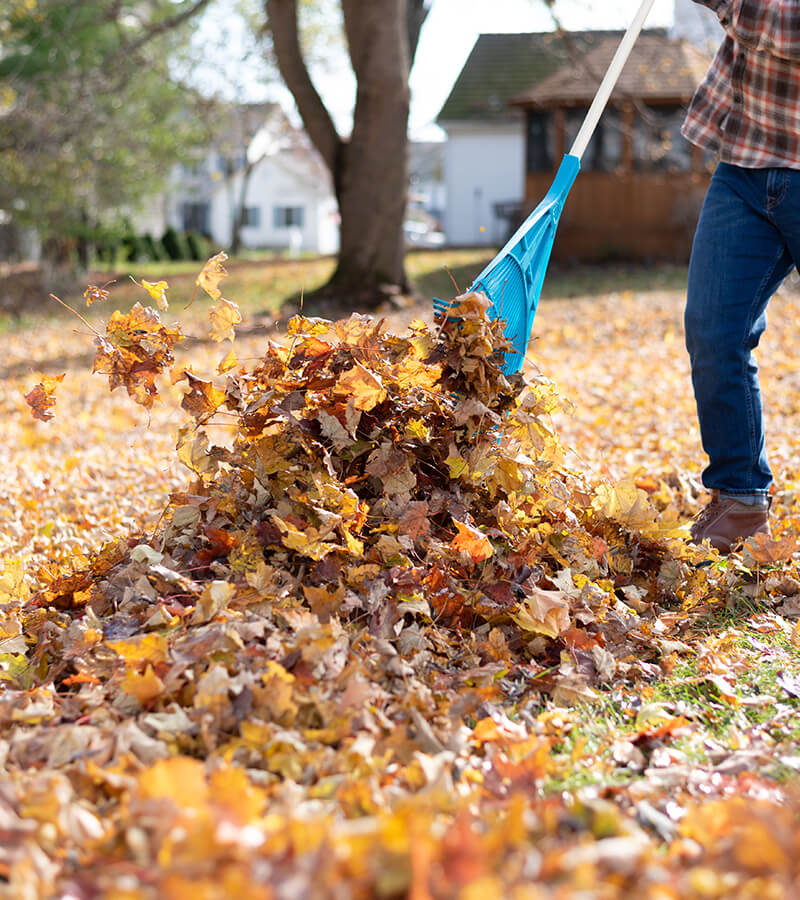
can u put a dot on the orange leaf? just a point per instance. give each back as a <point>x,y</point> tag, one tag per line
<point>764,550</point>
<point>94,294</point>
<point>180,779</point>
<point>472,541</point>
<point>203,399</point>
<point>363,386</point>
<point>42,398</point>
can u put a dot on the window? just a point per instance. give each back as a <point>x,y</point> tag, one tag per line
<point>540,142</point>
<point>658,145</point>
<point>604,153</point>
<point>194,217</point>
<point>289,216</point>
<point>251,217</point>
<point>196,168</point>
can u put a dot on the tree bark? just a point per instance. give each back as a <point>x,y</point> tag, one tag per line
<point>369,170</point>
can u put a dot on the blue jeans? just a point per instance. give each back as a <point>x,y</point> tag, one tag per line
<point>747,242</point>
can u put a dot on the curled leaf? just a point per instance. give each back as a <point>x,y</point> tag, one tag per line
<point>211,274</point>
<point>158,291</point>
<point>42,399</point>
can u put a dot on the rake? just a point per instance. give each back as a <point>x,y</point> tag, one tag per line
<point>513,279</point>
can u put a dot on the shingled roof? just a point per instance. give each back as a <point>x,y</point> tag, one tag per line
<point>658,69</point>
<point>502,66</point>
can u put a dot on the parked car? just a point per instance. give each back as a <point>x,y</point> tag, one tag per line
<point>421,234</point>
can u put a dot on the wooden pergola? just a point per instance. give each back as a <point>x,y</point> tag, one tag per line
<point>639,201</point>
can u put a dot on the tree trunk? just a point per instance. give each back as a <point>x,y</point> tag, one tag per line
<point>369,170</point>
<point>239,210</point>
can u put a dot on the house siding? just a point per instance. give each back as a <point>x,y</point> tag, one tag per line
<point>484,166</point>
<point>277,182</point>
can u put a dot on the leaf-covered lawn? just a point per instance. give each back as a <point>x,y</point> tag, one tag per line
<point>405,630</point>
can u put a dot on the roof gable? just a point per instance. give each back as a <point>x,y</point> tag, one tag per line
<point>502,66</point>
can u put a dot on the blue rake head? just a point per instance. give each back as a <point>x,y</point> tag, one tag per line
<point>513,279</point>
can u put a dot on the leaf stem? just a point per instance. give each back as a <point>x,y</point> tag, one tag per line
<point>76,313</point>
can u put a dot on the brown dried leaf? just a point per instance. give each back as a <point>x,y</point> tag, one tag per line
<point>42,398</point>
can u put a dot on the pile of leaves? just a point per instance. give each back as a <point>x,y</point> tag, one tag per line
<point>339,665</point>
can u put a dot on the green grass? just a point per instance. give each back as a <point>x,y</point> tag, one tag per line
<point>261,281</point>
<point>583,750</point>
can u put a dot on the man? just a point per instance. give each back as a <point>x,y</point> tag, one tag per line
<point>747,110</point>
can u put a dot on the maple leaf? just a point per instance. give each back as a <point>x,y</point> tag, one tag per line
<point>473,542</point>
<point>42,398</point>
<point>203,399</point>
<point>144,686</point>
<point>415,522</point>
<point>211,274</point>
<point>158,291</point>
<point>137,347</point>
<point>365,387</point>
<point>762,549</point>
<point>151,648</point>
<point>224,316</point>
<point>94,294</point>
<point>626,504</point>
<point>543,612</point>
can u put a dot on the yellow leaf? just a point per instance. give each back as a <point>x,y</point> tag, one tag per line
<point>152,648</point>
<point>180,779</point>
<point>13,588</point>
<point>625,503</point>
<point>158,291</point>
<point>543,612</point>
<point>230,362</point>
<point>143,687</point>
<point>457,466</point>
<point>363,386</point>
<point>233,791</point>
<point>211,274</point>
<point>223,317</point>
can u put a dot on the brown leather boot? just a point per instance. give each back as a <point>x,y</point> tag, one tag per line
<point>724,522</point>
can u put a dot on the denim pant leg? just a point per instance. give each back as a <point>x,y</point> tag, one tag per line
<point>739,260</point>
<point>784,208</point>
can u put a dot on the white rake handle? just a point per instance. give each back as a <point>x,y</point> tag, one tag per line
<point>610,80</point>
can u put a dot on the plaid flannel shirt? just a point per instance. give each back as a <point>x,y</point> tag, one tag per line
<point>747,108</point>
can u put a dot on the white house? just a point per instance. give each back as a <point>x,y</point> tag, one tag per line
<point>485,152</point>
<point>289,201</point>
<point>289,204</point>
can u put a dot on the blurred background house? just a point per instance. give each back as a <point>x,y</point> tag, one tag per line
<point>517,105</point>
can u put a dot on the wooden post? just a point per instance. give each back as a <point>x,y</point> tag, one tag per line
<point>560,125</point>
<point>628,124</point>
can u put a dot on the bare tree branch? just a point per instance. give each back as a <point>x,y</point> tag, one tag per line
<point>167,24</point>
<point>283,25</point>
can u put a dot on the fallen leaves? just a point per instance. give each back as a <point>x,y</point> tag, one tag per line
<point>338,659</point>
